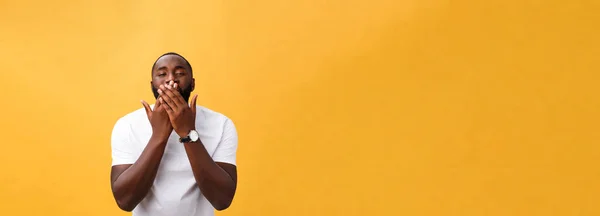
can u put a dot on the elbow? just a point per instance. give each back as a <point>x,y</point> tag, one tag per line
<point>124,205</point>
<point>220,206</point>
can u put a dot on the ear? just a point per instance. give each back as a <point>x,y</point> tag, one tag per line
<point>193,84</point>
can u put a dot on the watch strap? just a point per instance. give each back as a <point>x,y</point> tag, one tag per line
<point>185,139</point>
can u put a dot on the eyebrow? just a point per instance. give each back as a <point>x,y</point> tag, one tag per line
<point>161,68</point>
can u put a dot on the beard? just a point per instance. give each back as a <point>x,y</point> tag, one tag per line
<point>185,92</point>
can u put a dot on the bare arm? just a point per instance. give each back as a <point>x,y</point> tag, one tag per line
<point>217,181</point>
<point>131,182</point>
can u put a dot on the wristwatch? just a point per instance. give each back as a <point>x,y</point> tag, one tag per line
<point>191,137</point>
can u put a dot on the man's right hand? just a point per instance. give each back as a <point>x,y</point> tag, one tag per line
<point>131,182</point>
<point>159,119</point>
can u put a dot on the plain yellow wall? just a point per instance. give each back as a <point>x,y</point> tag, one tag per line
<point>348,107</point>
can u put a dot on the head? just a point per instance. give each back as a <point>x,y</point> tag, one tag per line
<point>173,67</point>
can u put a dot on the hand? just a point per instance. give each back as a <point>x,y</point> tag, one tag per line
<point>159,119</point>
<point>181,115</point>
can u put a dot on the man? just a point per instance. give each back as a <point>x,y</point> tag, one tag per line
<point>171,158</point>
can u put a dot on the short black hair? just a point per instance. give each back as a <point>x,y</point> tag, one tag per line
<point>172,53</point>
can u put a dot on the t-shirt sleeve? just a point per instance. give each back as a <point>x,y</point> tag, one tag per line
<point>227,148</point>
<point>121,146</point>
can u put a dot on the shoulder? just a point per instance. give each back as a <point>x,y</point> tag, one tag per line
<point>212,116</point>
<point>132,117</point>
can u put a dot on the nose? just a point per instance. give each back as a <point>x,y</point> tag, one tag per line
<point>170,77</point>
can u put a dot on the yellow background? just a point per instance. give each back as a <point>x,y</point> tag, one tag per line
<point>350,107</point>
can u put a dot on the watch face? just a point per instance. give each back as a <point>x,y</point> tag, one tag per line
<point>194,135</point>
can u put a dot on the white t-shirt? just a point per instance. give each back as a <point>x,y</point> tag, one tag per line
<point>174,191</point>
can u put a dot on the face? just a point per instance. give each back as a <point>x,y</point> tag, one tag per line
<point>172,68</point>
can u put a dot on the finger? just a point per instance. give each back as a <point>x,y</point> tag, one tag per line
<point>167,108</point>
<point>174,97</point>
<point>193,104</point>
<point>163,105</point>
<point>167,96</point>
<point>170,84</point>
<point>147,108</point>
<point>170,104</point>
<point>158,103</point>
<point>177,94</point>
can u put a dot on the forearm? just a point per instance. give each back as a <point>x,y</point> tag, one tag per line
<point>215,183</point>
<point>133,184</point>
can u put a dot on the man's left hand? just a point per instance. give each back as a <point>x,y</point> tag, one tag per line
<point>182,115</point>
